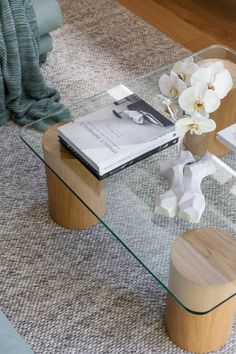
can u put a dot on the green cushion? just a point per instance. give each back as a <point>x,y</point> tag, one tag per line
<point>10,340</point>
<point>45,44</point>
<point>48,14</point>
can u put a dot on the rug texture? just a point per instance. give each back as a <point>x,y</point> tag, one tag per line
<point>79,292</point>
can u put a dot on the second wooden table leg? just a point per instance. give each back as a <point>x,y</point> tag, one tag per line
<point>199,333</point>
<point>65,208</point>
<point>202,276</point>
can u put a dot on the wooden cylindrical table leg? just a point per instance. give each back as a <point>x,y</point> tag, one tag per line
<point>65,207</point>
<point>202,276</point>
<point>199,333</point>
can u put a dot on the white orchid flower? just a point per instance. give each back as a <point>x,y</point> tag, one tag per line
<point>216,77</point>
<point>193,125</point>
<point>167,105</point>
<point>185,68</point>
<point>171,86</point>
<point>198,101</point>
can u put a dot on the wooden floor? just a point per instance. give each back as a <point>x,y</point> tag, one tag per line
<point>195,24</point>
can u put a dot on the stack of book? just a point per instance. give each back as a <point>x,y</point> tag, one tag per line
<point>118,135</point>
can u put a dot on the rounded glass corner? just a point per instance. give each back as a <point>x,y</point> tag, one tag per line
<point>216,51</point>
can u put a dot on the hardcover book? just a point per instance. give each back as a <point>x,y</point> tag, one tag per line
<point>118,135</point>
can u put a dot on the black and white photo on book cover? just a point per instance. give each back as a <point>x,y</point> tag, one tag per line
<point>134,108</point>
<point>122,130</point>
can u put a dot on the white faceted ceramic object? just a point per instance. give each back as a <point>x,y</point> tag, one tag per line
<point>167,203</point>
<point>184,197</point>
<point>192,204</point>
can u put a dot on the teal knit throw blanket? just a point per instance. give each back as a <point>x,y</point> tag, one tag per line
<point>24,95</point>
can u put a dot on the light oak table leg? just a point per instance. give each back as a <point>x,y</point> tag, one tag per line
<point>202,276</point>
<point>199,333</point>
<point>65,207</point>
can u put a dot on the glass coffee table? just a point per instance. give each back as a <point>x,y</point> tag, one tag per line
<point>200,287</point>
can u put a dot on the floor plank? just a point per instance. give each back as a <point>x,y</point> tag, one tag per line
<point>194,24</point>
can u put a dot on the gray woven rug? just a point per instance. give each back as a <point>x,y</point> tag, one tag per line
<point>79,292</point>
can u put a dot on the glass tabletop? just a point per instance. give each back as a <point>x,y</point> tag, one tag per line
<point>130,194</point>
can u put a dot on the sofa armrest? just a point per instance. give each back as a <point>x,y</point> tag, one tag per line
<point>45,44</point>
<point>48,14</point>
